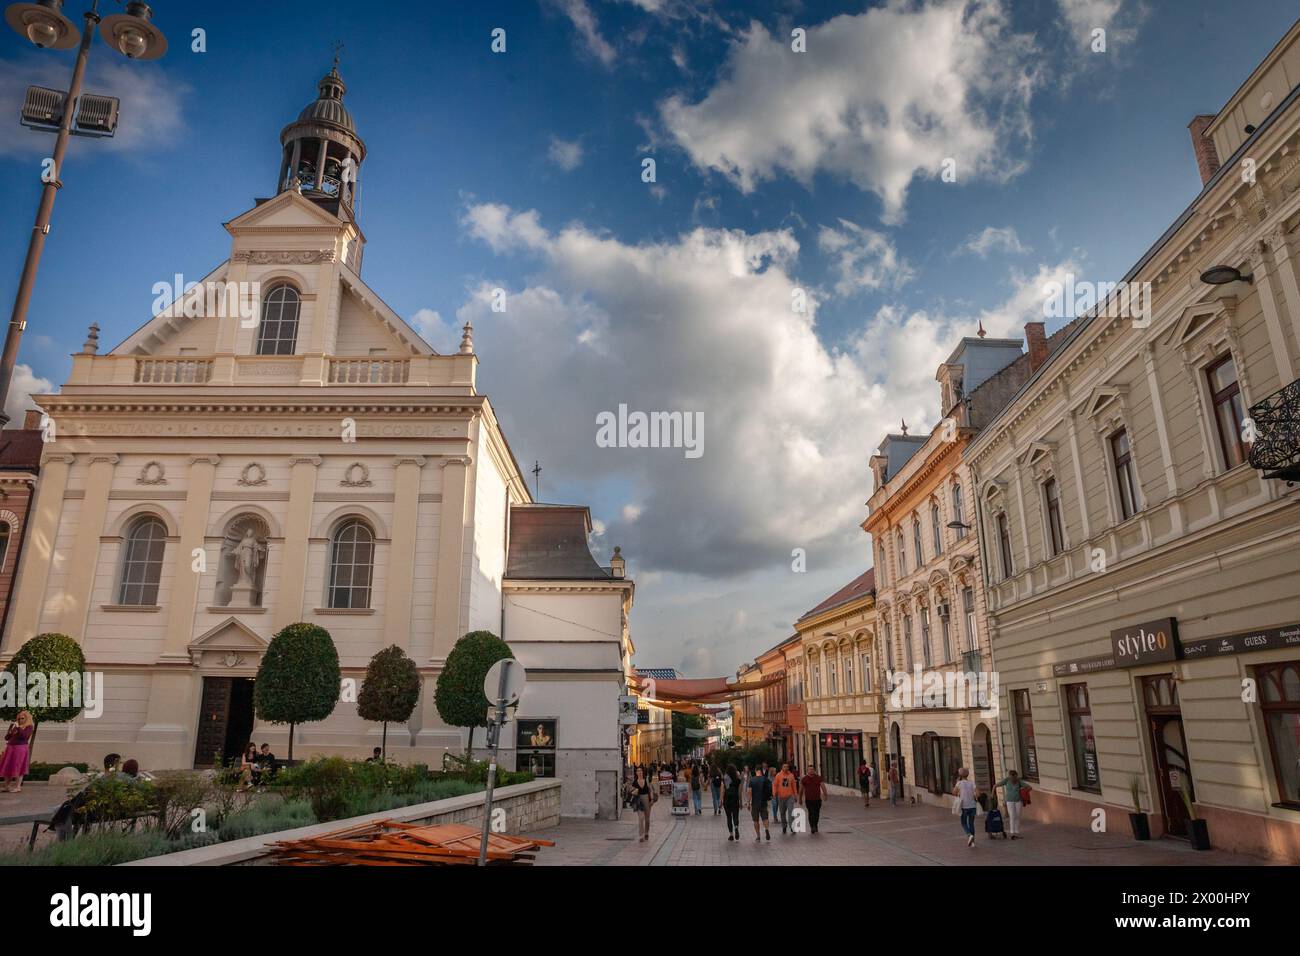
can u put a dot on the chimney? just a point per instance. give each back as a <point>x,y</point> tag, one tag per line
<point>1207,157</point>
<point>32,420</point>
<point>1036,336</point>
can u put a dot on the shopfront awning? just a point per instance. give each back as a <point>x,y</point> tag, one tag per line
<point>708,690</point>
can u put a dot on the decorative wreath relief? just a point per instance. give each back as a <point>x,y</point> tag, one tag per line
<point>152,474</point>
<point>357,476</point>
<point>252,475</point>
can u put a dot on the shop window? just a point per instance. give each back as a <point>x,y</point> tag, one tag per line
<point>1279,699</point>
<point>1026,746</point>
<point>1083,741</point>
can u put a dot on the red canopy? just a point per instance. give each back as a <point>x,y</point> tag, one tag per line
<point>707,690</point>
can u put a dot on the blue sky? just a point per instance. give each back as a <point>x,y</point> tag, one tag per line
<point>774,169</point>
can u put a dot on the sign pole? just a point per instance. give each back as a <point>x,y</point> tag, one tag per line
<point>498,721</point>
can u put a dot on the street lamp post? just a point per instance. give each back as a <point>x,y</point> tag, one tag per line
<point>44,24</point>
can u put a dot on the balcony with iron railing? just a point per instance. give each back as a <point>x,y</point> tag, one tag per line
<point>1275,450</point>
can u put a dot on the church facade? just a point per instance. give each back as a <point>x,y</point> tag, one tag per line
<point>289,449</point>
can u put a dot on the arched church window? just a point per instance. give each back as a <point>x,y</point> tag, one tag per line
<point>5,531</point>
<point>352,564</point>
<point>278,332</point>
<point>142,561</point>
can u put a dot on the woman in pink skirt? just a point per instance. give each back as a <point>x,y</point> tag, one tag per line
<point>14,763</point>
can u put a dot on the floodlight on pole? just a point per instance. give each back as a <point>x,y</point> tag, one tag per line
<point>44,24</point>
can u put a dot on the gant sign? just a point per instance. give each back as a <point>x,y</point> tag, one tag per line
<point>1149,643</point>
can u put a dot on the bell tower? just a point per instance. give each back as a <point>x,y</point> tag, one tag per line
<point>321,154</point>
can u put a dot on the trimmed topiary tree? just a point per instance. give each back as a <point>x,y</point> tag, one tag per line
<point>46,654</point>
<point>459,690</point>
<point>298,681</point>
<point>390,689</point>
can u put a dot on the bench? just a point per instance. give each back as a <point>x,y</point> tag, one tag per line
<point>39,818</point>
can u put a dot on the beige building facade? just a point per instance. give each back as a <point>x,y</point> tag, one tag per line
<point>218,476</point>
<point>1143,578</point>
<point>842,680</point>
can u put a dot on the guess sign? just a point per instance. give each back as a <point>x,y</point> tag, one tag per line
<point>1148,643</point>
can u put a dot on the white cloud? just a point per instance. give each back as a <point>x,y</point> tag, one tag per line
<point>992,239</point>
<point>1083,16</point>
<point>584,21</point>
<point>702,323</point>
<point>631,513</point>
<point>24,384</point>
<point>879,98</point>
<point>150,113</point>
<point>431,327</point>
<point>863,259</point>
<point>565,154</point>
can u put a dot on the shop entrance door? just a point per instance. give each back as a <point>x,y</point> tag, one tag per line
<point>1169,750</point>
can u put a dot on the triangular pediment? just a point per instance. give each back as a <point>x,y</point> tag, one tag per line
<point>232,635</point>
<point>1038,452</point>
<point>1200,316</point>
<point>1102,397</point>
<point>170,320</point>
<point>287,210</point>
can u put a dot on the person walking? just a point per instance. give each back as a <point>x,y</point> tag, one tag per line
<point>893,782</point>
<point>771,778</point>
<point>18,752</point>
<point>715,788</point>
<point>811,793</point>
<point>643,796</point>
<point>1012,785</point>
<point>786,788</point>
<point>864,782</point>
<point>760,800</point>
<point>731,783</point>
<point>964,791</point>
<point>744,785</point>
<point>696,780</point>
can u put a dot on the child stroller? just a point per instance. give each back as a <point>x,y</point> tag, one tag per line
<point>993,820</point>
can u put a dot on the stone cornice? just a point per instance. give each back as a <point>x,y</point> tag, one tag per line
<point>1226,220</point>
<point>917,485</point>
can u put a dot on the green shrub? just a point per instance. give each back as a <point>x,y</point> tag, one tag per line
<point>46,654</point>
<point>298,679</point>
<point>266,816</point>
<point>106,848</point>
<point>113,798</point>
<point>177,794</point>
<point>458,695</point>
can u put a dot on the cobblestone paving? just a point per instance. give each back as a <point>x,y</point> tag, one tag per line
<point>851,835</point>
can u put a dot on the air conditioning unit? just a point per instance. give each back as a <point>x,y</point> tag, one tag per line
<point>944,610</point>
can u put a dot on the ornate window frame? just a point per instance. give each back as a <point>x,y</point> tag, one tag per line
<point>1107,407</point>
<point>1204,333</point>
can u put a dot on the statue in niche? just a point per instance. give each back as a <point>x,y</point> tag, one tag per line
<point>243,563</point>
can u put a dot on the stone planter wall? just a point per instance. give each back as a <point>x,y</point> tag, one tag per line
<point>529,808</point>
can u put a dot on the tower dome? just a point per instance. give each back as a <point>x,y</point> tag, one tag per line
<point>321,154</point>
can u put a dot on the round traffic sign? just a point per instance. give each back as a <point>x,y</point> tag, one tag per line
<point>506,678</point>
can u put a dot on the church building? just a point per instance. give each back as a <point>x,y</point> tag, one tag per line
<point>289,449</point>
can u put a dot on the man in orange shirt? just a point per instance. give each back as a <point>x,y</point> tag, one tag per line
<point>786,788</point>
